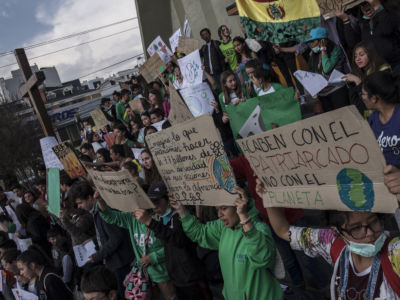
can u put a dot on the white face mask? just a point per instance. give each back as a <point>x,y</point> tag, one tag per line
<point>316,49</point>
<point>367,250</point>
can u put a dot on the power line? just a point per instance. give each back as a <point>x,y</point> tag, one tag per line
<point>70,47</point>
<point>117,63</point>
<point>68,36</point>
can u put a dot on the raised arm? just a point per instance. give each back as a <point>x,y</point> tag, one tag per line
<point>276,217</point>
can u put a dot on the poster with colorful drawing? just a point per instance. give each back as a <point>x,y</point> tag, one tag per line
<point>158,46</point>
<point>69,160</point>
<point>330,161</point>
<point>199,99</point>
<point>190,66</point>
<point>193,164</point>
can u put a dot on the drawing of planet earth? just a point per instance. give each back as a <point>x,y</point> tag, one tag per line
<point>355,189</point>
<point>223,173</point>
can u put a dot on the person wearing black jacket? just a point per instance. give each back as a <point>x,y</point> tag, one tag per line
<point>33,263</point>
<point>114,245</point>
<point>108,109</point>
<point>35,225</point>
<point>184,267</point>
<point>213,59</point>
<point>377,25</point>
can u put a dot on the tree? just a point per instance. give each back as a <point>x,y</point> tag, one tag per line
<point>19,145</point>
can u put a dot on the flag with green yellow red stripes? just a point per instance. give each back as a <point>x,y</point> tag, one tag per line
<point>279,21</point>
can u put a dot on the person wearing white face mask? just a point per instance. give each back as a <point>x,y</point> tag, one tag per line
<point>366,261</point>
<point>325,56</point>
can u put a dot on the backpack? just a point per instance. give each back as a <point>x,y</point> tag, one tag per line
<point>393,279</point>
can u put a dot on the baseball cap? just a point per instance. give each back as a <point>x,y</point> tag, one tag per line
<point>157,190</point>
<point>318,33</point>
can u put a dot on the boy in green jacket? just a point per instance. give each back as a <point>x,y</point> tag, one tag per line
<point>245,245</point>
<point>154,258</point>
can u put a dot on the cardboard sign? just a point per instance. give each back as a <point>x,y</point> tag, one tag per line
<point>174,39</point>
<point>99,118</point>
<point>83,253</point>
<point>49,157</point>
<point>187,45</point>
<point>331,161</point>
<point>190,66</point>
<point>193,164</point>
<point>120,190</point>
<point>158,46</point>
<point>152,68</point>
<point>69,160</point>
<point>179,112</point>
<point>328,7</point>
<point>199,99</point>
<point>136,106</point>
<point>53,191</point>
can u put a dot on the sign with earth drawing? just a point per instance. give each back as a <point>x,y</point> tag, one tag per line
<point>192,161</point>
<point>331,161</point>
<point>199,99</point>
<point>190,66</point>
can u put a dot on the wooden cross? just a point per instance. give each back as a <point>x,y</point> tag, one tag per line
<point>30,87</point>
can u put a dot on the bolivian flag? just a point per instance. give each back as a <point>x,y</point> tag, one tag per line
<point>279,21</point>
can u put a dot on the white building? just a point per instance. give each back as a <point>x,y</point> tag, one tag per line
<point>10,87</point>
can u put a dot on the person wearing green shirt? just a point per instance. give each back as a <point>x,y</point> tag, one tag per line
<point>324,58</point>
<point>120,107</point>
<point>227,47</point>
<point>245,247</point>
<point>153,257</point>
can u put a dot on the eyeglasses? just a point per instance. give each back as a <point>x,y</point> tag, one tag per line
<point>360,232</point>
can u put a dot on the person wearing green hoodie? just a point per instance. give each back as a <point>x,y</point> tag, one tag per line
<point>153,259</point>
<point>245,245</point>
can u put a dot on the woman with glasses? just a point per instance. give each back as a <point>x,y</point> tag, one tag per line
<point>366,261</point>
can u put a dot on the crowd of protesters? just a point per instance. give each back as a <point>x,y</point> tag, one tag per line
<point>224,252</point>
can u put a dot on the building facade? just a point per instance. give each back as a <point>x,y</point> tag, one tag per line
<point>164,17</point>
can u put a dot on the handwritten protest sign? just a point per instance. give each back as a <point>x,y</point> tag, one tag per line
<point>192,162</point>
<point>328,7</point>
<point>49,157</point>
<point>190,66</point>
<point>179,112</point>
<point>174,39</point>
<point>53,191</point>
<point>187,45</point>
<point>69,160</point>
<point>99,118</point>
<point>331,161</point>
<point>151,69</point>
<point>136,106</point>
<point>120,190</point>
<point>158,46</point>
<point>83,253</point>
<point>199,99</point>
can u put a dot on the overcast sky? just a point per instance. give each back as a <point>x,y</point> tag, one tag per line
<point>26,22</point>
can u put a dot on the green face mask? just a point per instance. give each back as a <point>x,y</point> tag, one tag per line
<point>12,228</point>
